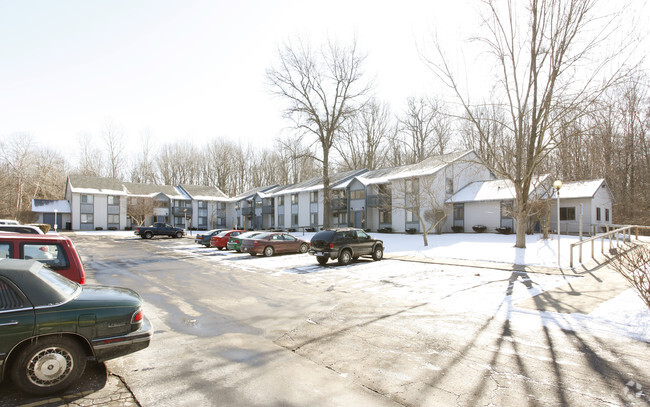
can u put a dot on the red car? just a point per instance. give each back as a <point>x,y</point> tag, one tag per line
<point>274,242</point>
<point>54,251</point>
<point>221,240</point>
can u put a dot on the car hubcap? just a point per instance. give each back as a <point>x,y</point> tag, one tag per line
<point>49,366</point>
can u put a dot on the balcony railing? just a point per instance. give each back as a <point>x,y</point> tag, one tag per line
<point>247,211</point>
<point>379,201</point>
<point>181,211</point>
<point>267,209</point>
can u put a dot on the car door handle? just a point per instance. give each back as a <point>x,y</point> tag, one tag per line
<point>9,323</point>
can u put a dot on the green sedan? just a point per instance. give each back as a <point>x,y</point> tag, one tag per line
<point>234,242</point>
<point>50,326</point>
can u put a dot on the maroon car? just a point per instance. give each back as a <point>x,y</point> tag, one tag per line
<point>221,240</point>
<point>274,242</point>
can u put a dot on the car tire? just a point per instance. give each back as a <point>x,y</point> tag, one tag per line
<point>48,365</point>
<point>304,247</point>
<point>178,235</point>
<point>253,254</point>
<point>206,245</point>
<point>378,253</point>
<point>238,250</point>
<point>345,257</point>
<point>148,235</point>
<point>269,251</point>
<point>220,248</point>
<point>322,260</point>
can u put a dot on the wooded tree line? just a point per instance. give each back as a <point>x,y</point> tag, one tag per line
<point>541,118</point>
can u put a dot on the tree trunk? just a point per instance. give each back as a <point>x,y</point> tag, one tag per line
<point>520,223</point>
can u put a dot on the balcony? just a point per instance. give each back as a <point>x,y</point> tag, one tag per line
<point>267,210</point>
<point>379,201</point>
<point>339,204</point>
<point>181,211</point>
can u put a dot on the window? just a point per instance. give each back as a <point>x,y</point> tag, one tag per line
<point>281,200</point>
<point>412,186</point>
<point>568,213</point>
<point>113,200</point>
<point>358,194</point>
<point>449,185</point>
<point>221,206</point>
<point>161,204</point>
<point>313,218</point>
<point>9,299</point>
<point>294,199</point>
<point>281,221</point>
<point>507,209</point>
<point>294,219</point>
<point>203,204</point>
<point>258,204</point>
<point>385,216</point>
<point>459,211</point>
<point>113,219</point>
<point>606,215</point>
<point>598,214</point>
<point>313,196</point>
<point>341,218</point>
<point>411,215</point>
<point>52,255</point>
<point>87,199</point>
<point>87,218</point>
<point>5,250</point>
<point>203,212</point>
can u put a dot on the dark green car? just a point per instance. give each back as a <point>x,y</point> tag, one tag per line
<point>50,326</point>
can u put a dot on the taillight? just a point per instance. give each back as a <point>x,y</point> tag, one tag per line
<point>137,317</point>
<point>331,245</point>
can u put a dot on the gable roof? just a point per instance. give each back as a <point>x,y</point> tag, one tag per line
<point>203,192</point>
<point>426,167</point>
<point>496,190</point>
<point>51,205</point>
<point>95,185</point>
<point>316,183</point>
<point>583,189</point>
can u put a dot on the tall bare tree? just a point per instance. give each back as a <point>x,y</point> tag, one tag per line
<point>551,68</point>
<point>425,129</point>
<point>363,142</point>
<point>91,161</point>
<point>322,90</point>
<point>113,137</point>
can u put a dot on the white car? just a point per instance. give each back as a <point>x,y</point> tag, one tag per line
<point>8,222</point>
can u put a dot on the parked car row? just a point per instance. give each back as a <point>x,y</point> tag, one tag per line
<point>343,244</point>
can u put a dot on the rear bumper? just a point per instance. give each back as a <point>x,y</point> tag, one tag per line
<point>324,253</point>
<point>116,346</point>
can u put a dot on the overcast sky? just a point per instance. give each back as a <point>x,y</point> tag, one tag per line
<point>193,70</point>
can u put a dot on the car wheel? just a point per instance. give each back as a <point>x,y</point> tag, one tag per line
<point>322,260</point>
<point>253,254</point>
<point>238,250</point>
<point>206,245</point>
<point>48,365</point>
<point>148,235</point>
<point>345,257</point>
<point>355,258</point>
<point>304,247</point>
<point>220,248</point>
<point>378,253</point>
<point>179,235</point>
<point>269,251</point>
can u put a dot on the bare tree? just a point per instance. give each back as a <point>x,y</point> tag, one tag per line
<point>139,208</point>
<point>425,129</point>
<point>634,266</point>
<point>144,170</point>
<point>363,142</point>
<point>322,91</point>
<point>113,136</point>
<point>546,78</point>
<point>422,201</point>
<point>90,159</point>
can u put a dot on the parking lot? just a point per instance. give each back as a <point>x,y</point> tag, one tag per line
<point>236,330</point>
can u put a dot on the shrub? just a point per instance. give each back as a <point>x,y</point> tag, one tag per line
<point>411,231</point>
<point>479,228</point>
<point>505,230</point>
<point>42,226</point>
<point>457,229</point>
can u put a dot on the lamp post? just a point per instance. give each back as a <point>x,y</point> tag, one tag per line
<point>185,223</point>
<point>557,185</point>
<point>55,225</point>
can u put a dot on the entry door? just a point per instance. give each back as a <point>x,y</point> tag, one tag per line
<point>358,218</point>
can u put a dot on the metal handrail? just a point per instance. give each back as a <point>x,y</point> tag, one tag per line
<point>626,231</point>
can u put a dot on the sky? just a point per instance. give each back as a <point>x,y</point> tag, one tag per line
<point>187,70</point>
<point>195,70</point>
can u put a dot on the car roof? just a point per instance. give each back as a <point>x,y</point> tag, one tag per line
<point>24,274</point>
<point>30,237</point>
<point>23,227</point>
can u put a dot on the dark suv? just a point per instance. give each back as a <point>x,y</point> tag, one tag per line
<point>346,245</point>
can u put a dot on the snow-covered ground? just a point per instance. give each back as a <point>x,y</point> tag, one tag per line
<point>624,315</point>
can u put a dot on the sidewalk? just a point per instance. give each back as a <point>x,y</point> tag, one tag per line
<point>596,283</point>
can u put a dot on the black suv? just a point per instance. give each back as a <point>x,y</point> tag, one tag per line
<point>345,244</point>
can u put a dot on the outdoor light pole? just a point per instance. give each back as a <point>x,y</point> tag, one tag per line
<point>185,223</point>
<point>557,185</point>
<point>55,225</point>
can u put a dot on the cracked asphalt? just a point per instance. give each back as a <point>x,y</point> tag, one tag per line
<point>228,333</point>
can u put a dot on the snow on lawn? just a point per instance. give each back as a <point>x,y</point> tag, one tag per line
<point>499,292</point>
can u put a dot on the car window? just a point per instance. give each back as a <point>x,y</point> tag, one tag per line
<point>65,287</point>
<point>52,255</point>
<point>362,235</point>
<point>262,236</point>
<point>9,298</point>
<point>5,250</point>
<point>290,238</point>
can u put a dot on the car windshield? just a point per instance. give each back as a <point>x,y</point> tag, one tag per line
<point>66,288</point>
